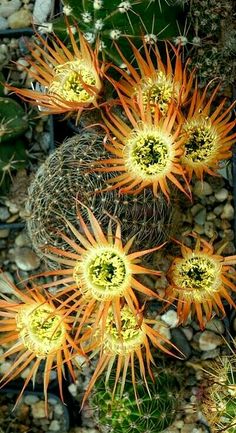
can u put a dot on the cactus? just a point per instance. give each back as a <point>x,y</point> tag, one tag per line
<point>12,157</point>
<point>219,402</point>
<point>115,20</point>
<point>13,120</point>
<point>61,179</point>
<point>156,411</point>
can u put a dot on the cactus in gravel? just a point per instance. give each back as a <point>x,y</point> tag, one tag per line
<point>156,411</point>
<point>63,177</point>
<point>219,401</point>
<point>13,121</point>
<point>115,20</point>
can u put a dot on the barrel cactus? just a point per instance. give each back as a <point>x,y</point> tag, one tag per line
<point>219,402</point>
<point>65,176</point>
<point>113,21</point>
<point>13,119</point>
<point>154,413</point>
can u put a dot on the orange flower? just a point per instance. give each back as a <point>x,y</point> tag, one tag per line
<point>122,347</point>
<point>37,332</point>
<point>154,83</point>
<point>199,280</point>
<point>207,135</point>
<point>99,274</point>
<point>70,80</point>
<point>146,153</point>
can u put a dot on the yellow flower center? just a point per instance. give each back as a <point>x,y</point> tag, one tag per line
<point>40,329</point>
<point>105,273</point>
<point>149,153</point>
<point>197,276</point>
<point>126,340</point>
<point>158,90</point>
<point>70,81</point>
<point>201,143</point>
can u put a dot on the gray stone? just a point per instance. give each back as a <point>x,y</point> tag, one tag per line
<point>222,194</point>
<point>195,209</point>
<point>208,340</point>
<point>4,233</point>
<point>202,189</point>
<point>22,240</point>
<point>55,425</point>
<point>200,217</point>
<point>19,19</point>
<point>7,8</point>
<point>170,318</point>
<point>31,399</point>
<point>218,209</point>
<point>179,339</point>
<point>210,354</point>
<point>4,213</point>
<point>38,409</point>
<point>42,9</point>
<point>228,212</point>
<point>26,259</point>
<point>209,229</point>
<point>211,216</point>
<point>6,281</point>
<point>216,325</point>
<point>3,23</point>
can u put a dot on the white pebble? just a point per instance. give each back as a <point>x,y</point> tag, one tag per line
<point>42,9</point>
<point>55,425</point>
<point>228,212</point>
<point>222,194</point>
<point>3,23</point>
<point>170,318</point>
<point>20,19</point>
<point>201,189</point>
<point>7,8</point>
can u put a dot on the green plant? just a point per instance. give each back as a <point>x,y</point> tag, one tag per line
<point>12,157</point>
<point>13,119</point>
<point>156,411</point>
<point>113,21</point>
<point>64,177</point>
<point>219,402</point>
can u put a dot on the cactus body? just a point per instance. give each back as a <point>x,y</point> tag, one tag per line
<point>113,21</point>
<point>64,177</point>
<point>219,404</point>
<point>12,119</point>
<point>121,414</point>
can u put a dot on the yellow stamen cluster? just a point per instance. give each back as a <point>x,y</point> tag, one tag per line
<point>40,329</point>
<point>201,142</point>
<point>197,275</point>
<point>158,90</point>
<point>105,273</point>
<point>127,339</point>
<point>70,81</point>
<point>148,152</point>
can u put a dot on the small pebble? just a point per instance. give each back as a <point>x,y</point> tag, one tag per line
<point>7,8</point>
<point>222,194</point>
<point>202,189</point>
<point>19,19</point>
<point>26,259</point>
<point>31,399</point>
<point>4,213</point>
<point>38,409</point>
<point>228,212</point>
<point>216,325</point>
<point>5,282</point>
<point>4,233</point>
<point>209,341</point>
<point>170,318</point>
<point>3,23</point>
<point>55,425</point>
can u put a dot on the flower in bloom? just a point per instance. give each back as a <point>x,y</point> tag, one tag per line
<point>99,273</point>
<point>154,83</point>
<point>36,332</point>
<point>199,280</point>
<point>70,79</point>
<point>208,135</point>
<point>146,152</point>
<point>122,347</point>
